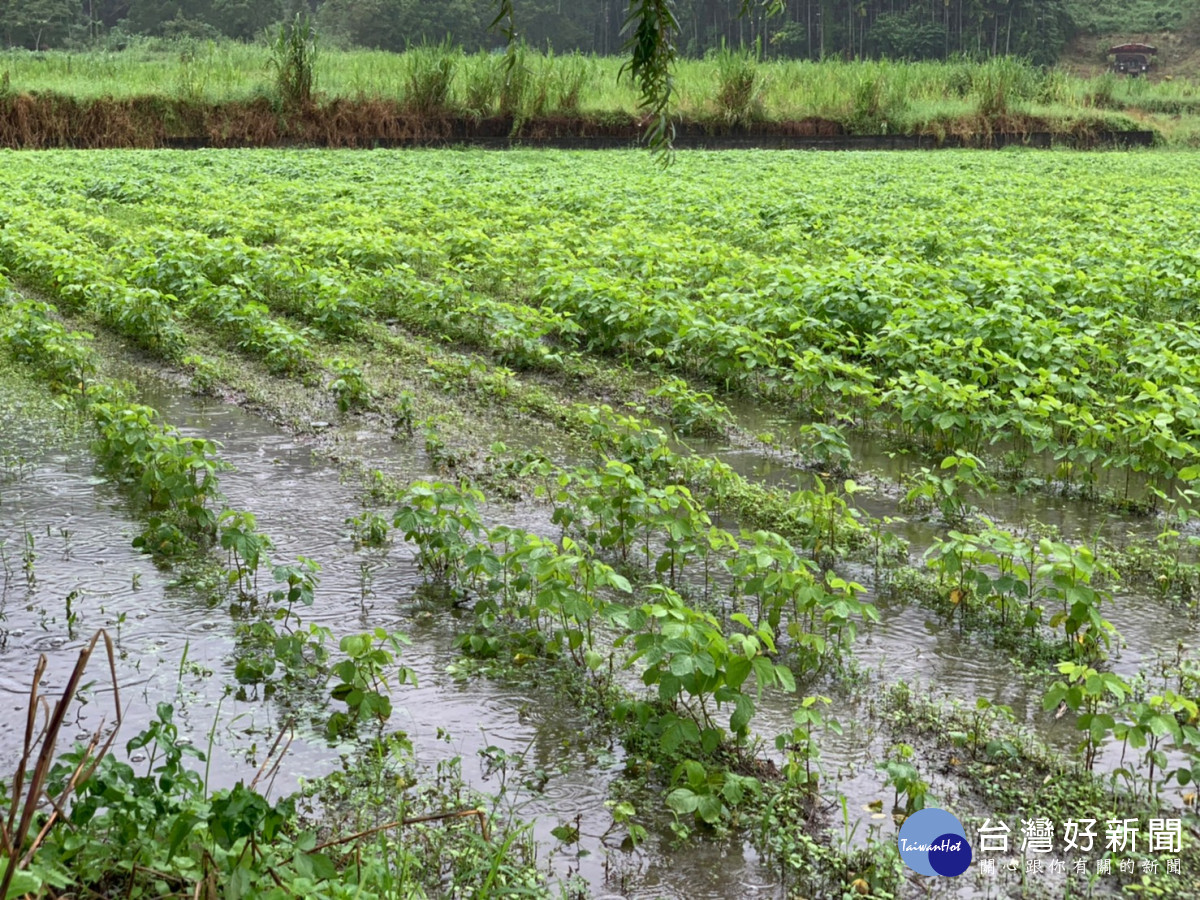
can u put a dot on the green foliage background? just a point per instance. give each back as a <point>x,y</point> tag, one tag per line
<point>812,29</point>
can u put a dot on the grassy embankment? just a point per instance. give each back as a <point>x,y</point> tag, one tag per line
<point>226,94</point>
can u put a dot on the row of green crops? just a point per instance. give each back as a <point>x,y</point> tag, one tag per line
<point>1038,307</point>
<point>944,338</point>
<point>822,609</point>
<point>622,507</point>
<point>235,842</point>
<point>172,482</point>
<point>239,293</point>
<point>640,579</point>
<point>558,595</point>
<point>1030,585</point>
<point>709,610</point>
<point>779,591</point>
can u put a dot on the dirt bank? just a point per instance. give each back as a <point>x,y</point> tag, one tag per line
<point>43,121</point>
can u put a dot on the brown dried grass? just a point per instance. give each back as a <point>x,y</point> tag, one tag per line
<point>42,121</point>
<point>44,742</point>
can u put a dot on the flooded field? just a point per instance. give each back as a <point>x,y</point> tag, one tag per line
<point>388,530</point>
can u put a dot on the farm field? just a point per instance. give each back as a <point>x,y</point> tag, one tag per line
<point>695,525</point>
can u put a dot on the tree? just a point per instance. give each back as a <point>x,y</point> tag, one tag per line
<point>245,19</point>
<point>460,20</point>
<point>378,24</point>
<point>39,23</point>
<point>151,16</point>
<point>908,35</point>
<point>398,24</point>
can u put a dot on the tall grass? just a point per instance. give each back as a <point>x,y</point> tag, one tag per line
<point>739,87</point>
<point>293,60</point>
<point>479,87</point>
<point>729,87</point>
<point>430,77</point>
<point>877,107</point>
<point>520,95</point>
<point>191,80</point>
<point>571,77</point>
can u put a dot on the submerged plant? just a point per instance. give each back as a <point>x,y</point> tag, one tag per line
<point>948,488</point>
<point>826,446</point>
<point>443,521</point>
<point>1093,696</point>
<point>349,386</point>
<point>29,556</point>
<point>693,412</point>
<point>711,797</point>
<point>363,679</point>
<point>800,744</point>
<point>369,529</point>
<point>247,548</point>
<point>905,778</point>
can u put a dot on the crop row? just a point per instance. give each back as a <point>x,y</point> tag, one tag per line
<point>167,815</point>
<point>562,587</point>
<point>705,662</point>
<point>913,312</point>
<point>172,481</point>
<point>892,335</point>
<point>213,291</point>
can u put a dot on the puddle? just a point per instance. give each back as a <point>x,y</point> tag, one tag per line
<point>81,550</point>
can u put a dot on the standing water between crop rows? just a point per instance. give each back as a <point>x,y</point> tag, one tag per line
<point>70,529</point>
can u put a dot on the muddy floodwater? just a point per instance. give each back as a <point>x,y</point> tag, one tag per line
<point>82,536</point>
<point>69,568</point>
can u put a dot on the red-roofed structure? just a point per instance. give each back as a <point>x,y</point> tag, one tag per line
<point>1132,59</point>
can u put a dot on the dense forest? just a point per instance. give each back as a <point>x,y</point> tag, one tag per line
<point>814,29</point>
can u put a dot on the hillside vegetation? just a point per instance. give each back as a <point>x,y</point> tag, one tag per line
<point>947,75</point>
<point>1116,16</point>
<point>808,29</point>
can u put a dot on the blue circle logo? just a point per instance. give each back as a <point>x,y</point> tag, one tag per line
<point>933,842</point>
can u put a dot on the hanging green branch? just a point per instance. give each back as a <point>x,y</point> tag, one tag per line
<point>652,27</point>
<point>505,15</point>
<point>506,23</point>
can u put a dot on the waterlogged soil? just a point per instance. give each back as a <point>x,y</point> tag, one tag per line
<point>1040,498</point>
<point>1146,623</point>
<point>933,656</point>
<point>559,769</point>
<point>302,502</point>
